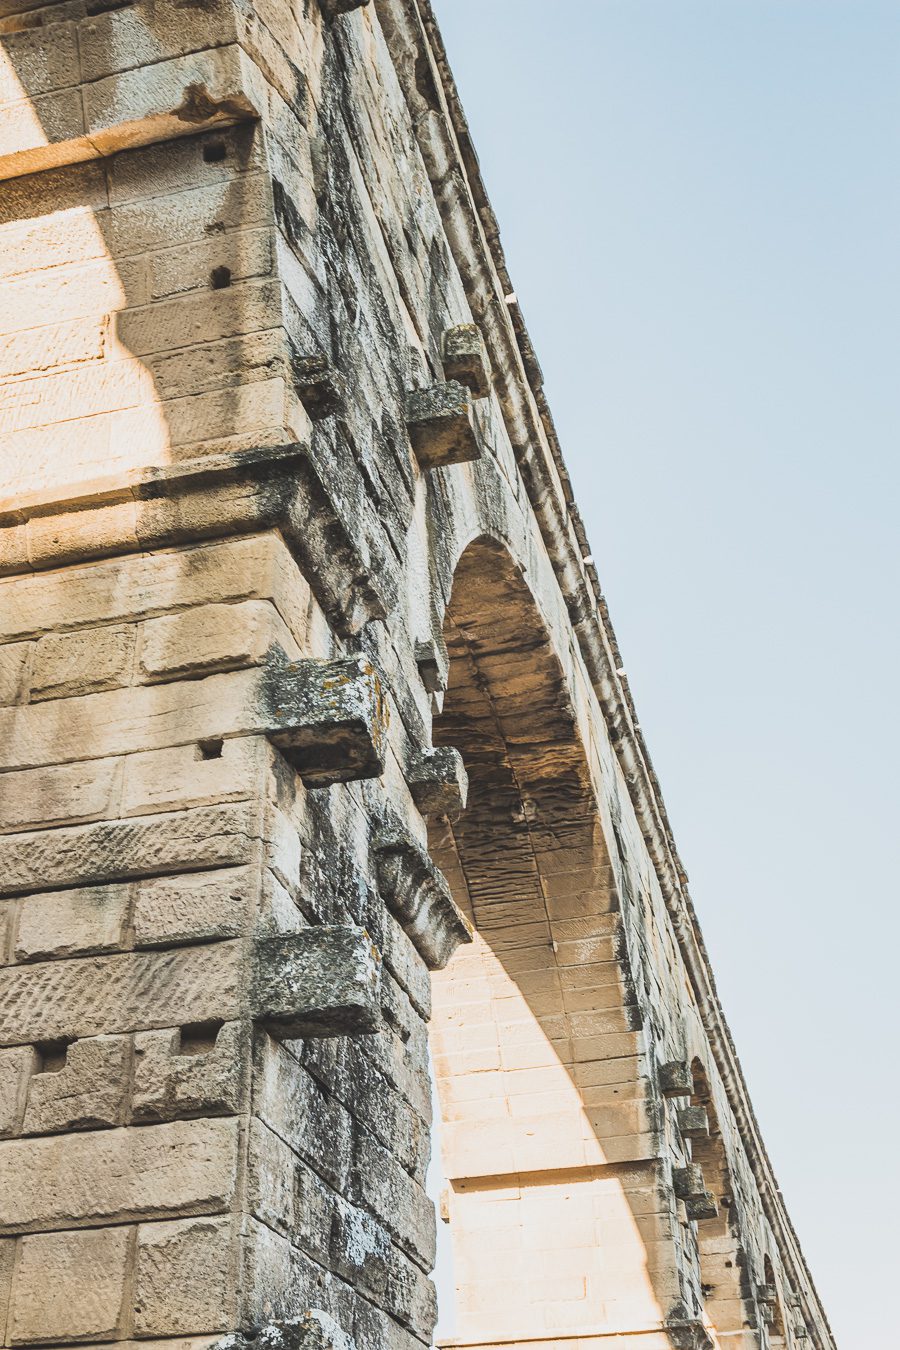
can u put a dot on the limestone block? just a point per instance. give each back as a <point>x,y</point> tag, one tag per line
<point>143,34</point>
<point>69,1286</point>
<point>158,1171</point>
<point>172,98</point>
<point>693,1122</point>
<point>701,1206</point>
<point>82,662</point>
<point>38,60</point>
<point>15,1067</point>
<point>32,129</point>
<point>201,905</point>
<point>322,981</point>
<point>71,999</point>
<point>319,385</point>
<point>187,1071</point>
<point>675,1079</point>
<point>87,1093</point>
<point>13,666</point>
<point>67,793</point>
<point>441,429</point>
<point>465,358</point>
<point>687,1182</point>
<point>433,663</point>
<point>438,782</point>
<point>7,1261</point>
<point>211,637</point>
<point>209,836</point>
<point>414,890</point>
<point>210,771</point>
<point>380,1184</point>
<point>313,1329</point>
<point>329,718</point>
<point>183,1277</point>
<point>78,922</point>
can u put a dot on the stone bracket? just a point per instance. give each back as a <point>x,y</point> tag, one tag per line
<point>441,427</point>
<point>438,782</point>
<point>693,1122</point>
<point>688,1182</point>
<point>434,664</point>
<point>328,718</point>
<point>414,890</point>
<point>332,9</point>
<point>322,981</point>
<point>702,1206</point>
<point>465,358</point>
<point>675,1079</point>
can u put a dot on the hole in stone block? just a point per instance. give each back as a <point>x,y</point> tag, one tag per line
<point>51,1056</point>
<point>214,151</point>
<point>198,1038</point>
<point>211,749</point>
<point>220,278</point>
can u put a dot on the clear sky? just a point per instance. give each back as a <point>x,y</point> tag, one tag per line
<point>700,207</point>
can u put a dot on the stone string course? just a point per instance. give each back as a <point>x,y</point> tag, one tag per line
<point>316,757</point>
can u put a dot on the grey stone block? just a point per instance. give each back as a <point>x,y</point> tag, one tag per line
<point>439,420</point>
<point>675,1079</point>
<point>701,1206</point>
<point>438,782</point>
<point>465,358</point>
<point>328,718</point>
<point>322,981</point>
<point>693,1122</point>
<point>414,890</point>
<point>688,1182</point>
<point>433,663</point>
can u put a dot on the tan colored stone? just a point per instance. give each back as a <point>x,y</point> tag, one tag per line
<point>80,663</point>
<point>201,266</point>
<point>79,922</point>
<point>187,1167</point>
<point>70,999</point>
<point>177,1075</point>
<point>15,1067</point>
<point>13,664</point>
<point>211,637</point>
<point>70,793</point>
<point>170,910</point>
<point>183,1277</point>
<point>69,1286</point>
<point>194,775</point>
<point>87,1093</point>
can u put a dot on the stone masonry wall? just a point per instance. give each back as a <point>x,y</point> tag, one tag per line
<point>289,573</point>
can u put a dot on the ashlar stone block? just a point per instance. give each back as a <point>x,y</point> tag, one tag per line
<point>69,1286</point>
<point>328,718</point>
<point>193,1070</point>
<point>702,1206</point>
<point>465,358</point>
<point>675,1079</point>
<point>86,1093</point>
<point>688,1182</point>
<point>693,1122</point>
<point>182,1277</point>
<point>322,981</point>
<point>438,782</point>
<point>414,890</point>
<point>441,427</point>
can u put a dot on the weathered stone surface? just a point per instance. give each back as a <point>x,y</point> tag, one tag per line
<point>465,358</point>
<point>688,1182</point>
<point>675,1079</point>
<point>171,911</point>
<point>438,782</point>
<point>183,1277</point>
<point>88,1092</point>
<point>81,663</point>
<point>69,1286</point>
<point>328,718</point>
<point>15,1068</point>
<point>78,922</point>
<point>415,891</point>
<point>187,1167</point>
<point>441,427</point>
<point>318,982</point>
<point>433,663</point>
<point>693,1122</point>
<point>187,1072</point>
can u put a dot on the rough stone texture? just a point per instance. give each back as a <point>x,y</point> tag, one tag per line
<point>286,539</point>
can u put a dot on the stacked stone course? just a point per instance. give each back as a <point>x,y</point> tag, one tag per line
<point>305,682</point>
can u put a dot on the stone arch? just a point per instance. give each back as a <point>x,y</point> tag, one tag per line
<point>724,1268</point>
<point>559,1221</point>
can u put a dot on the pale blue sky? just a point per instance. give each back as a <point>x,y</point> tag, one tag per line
<point>700,208</point>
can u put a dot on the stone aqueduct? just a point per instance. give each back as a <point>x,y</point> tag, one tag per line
<point>312,715</point>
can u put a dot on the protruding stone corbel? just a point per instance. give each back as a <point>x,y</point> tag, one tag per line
<point>440,424</point>
<point>438,782</point>
<point>465,358</point>
<point>322,981</point>
<point>688,1182</point>
<point>313,1330</point>
<point>328,718</point>
<point>685,1332</point>
<point>414,890</point>
<point>675,1079</point>
<point>433,662</point>
<point>320,387</point>
<point>332,8</point>
<point>693,1122</point>
<point>701,1206</point>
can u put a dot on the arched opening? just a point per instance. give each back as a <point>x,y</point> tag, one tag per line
<point>560,1224</point>
<point>724,1274</point>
